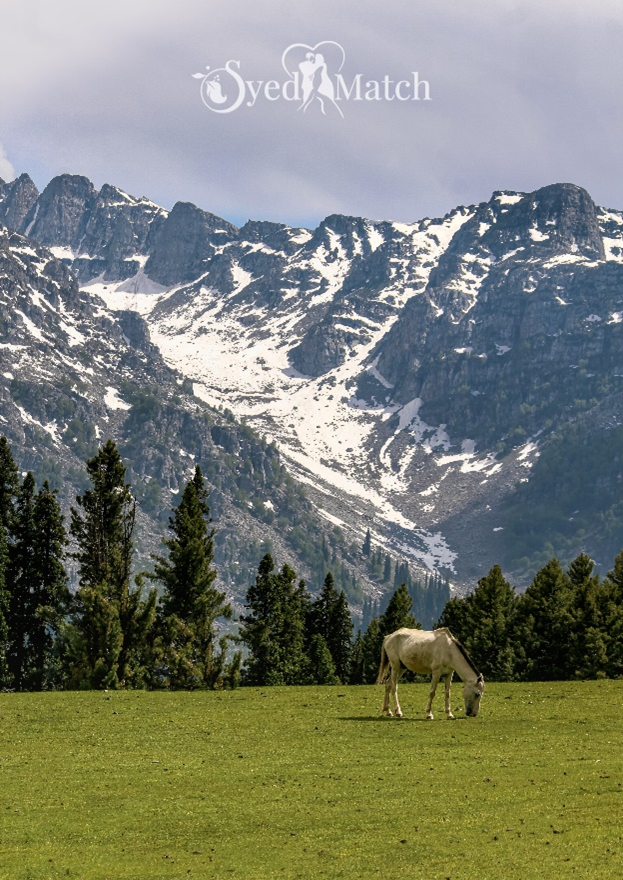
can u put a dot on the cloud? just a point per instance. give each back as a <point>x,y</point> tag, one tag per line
<point>524,94</point>
<point>7,172</point>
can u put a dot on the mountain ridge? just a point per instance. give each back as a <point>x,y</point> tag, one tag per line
<point>411,374</point>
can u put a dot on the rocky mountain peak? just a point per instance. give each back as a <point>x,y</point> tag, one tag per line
<point>185,244</point>
<point>561,216</point>
<point>16,200</point>
<point>59,216</point>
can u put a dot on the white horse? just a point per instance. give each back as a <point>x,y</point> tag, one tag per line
<point>437,652</point>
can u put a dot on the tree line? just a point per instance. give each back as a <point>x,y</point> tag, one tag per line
<point>568,624</point>
<point>293,638</point>
<point>113,631</point>
<point>117,629</point>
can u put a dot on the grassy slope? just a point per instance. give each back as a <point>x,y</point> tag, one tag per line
<point>311,782</point>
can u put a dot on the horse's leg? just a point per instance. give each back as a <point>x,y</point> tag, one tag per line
<point>395,680</point>
<point>433,688</point>
<point>388,683</point>
<point>448,686</point>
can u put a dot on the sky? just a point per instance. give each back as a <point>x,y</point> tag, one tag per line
<point>523,93</point>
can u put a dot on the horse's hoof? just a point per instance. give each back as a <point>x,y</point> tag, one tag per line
<point>450,716</point>
<point>389,713</point>
<point>430,716</point>
<point>398,714</point>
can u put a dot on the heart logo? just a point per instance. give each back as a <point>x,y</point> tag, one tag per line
<point>297,53</point>
<point>313,69</point>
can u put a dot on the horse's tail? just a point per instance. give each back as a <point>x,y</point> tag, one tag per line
<point>384,667</point>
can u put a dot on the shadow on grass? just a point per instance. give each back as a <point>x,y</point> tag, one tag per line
<point>383,719</point>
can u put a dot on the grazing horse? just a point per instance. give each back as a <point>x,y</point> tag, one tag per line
<point>437,652</point>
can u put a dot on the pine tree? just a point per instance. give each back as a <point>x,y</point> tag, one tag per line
<point>398,613</point>
<point>108,642</point>
<point>491,610</point>
<point>544,625</point>
<point>613,617</point>
<point>457,618</point>
<point>291,633</point>
<point>367,544</point>
<point>329,617</point>
<point>370,652</point>
<point>22,585</point>
<point>8,489</point>
<point>589,637</point>
<point>387,569</point>
<point>356,660</point>
<point>5,677</point>
<point>9,483</point>
<point>51,592</point>
<point>320,662</point>
<point>190,603</point>
<point>257,629</point>
<point>341,637</point>
<point>274,627</point>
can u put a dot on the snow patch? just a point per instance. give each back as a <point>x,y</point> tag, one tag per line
<point>113,400</point>
<point>32,328</point>
<point>375,238</point>
<point>240,277</point>
<point>62,253</point>
<point>51,428</point>
<point>372,369</point>
<point>507,198</point>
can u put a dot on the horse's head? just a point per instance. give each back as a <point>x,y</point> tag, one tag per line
<point>472,692</point>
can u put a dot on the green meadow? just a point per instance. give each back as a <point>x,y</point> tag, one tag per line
<point>312,782</point>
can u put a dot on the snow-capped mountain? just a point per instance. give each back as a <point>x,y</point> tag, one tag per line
<point>410,374</point>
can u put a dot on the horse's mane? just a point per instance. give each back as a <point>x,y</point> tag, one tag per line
<point>463,651</point>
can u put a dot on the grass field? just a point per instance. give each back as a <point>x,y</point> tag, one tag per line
<point>312,782</point>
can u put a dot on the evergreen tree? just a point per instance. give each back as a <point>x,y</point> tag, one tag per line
<point>370,653</point>
<point>544,624</point>
<point>22,585</point>
<point>589,635</point>
<point>190,603</point>
<point>356,660</point>
<point>612,617</point>
<point>329,617</point>
<point>397,614</point>
<point>257,630</point>
<point>320,663</point>
<point>341,637</point>
<point>109,640</point>
<point>457,618</point>
<point>367,544</point>
<point>274,628</point>
<point>5,677</point>
<point>9,483</point>
<point>51,592</point>
<point>491,609</point>
<point>291,633</point>
<point>387,569</point>
<point>8,489</point>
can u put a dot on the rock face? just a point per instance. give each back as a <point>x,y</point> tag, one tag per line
<point>521,295</point>
<point>108,234</point>
<point>16,200</point>
<point>414,375</point>
<point>186,242</point>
